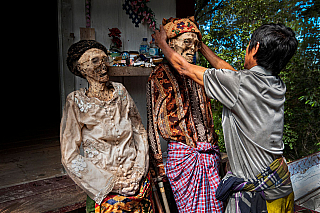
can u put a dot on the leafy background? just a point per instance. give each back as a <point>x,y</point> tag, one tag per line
<point>227,26</point>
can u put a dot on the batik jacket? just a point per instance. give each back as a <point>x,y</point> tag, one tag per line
<point>177,108</point>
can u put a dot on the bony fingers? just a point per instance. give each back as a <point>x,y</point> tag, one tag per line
<point>124,184</point>
<point>128,190</point>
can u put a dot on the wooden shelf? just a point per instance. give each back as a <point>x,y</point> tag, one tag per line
<point>129,71</point>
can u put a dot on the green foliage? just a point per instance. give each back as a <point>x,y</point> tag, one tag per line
<point>227,26</point>
<point>216,114</point>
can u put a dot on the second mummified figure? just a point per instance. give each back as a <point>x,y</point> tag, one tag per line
<point>179,109</point>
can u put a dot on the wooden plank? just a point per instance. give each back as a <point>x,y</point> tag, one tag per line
<point>87,34</point>
<point>20,163</point>
<point>58,194</point>
<point>129,71</point>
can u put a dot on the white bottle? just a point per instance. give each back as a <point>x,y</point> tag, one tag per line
<point>144,47</point>
<point>153,51</point>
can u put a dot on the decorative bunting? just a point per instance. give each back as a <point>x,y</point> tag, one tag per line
<point>139,12</point>
<point>88,13</point>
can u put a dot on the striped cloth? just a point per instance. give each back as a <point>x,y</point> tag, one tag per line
<point>275,175</point>
<point>193,176</point>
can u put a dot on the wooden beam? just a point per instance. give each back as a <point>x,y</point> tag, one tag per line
<point>184,8</point>
<point>129,71</point>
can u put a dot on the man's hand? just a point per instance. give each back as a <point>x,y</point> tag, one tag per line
<point>160,37</point>
<point>176,60</point>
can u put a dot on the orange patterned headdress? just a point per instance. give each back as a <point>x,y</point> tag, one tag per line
<point>178,26</point>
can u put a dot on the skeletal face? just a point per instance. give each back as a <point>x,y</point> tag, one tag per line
<point>186,44</point>
<point>93,64</point>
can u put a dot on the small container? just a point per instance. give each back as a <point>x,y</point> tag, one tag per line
<point>144,47</point>
<point>153,51</point>
<point>126,58</point>
<point>125,55</point>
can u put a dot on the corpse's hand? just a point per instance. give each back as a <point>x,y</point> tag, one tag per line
<point>160,36</point>
<point>128,184</point>
<point>162,173</point>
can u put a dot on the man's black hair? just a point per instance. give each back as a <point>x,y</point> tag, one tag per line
<point>277,45</point>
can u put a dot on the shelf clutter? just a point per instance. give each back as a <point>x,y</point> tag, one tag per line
<point>133,63</point>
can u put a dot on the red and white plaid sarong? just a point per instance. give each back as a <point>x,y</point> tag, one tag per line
<point>194,176</point>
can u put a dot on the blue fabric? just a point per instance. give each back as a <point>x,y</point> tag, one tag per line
<point>247,201</point>
<point>226,187</point>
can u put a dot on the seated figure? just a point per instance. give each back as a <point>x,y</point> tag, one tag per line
<point>105,120</point>
<point>180,111</point>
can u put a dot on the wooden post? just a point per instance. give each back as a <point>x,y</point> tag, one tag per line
<point>87,34</point>
<point>184,8</point>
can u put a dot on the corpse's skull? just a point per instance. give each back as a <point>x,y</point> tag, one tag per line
<point>186,44</point>
<point>93,64</point>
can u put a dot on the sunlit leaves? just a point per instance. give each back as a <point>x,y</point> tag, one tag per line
<point>227,26</point>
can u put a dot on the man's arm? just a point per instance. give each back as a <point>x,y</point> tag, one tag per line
<point>177,61</point>
<point>213,59</point>
<point>181,65</point>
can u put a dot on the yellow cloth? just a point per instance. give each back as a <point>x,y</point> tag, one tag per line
<point>281,205</point>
